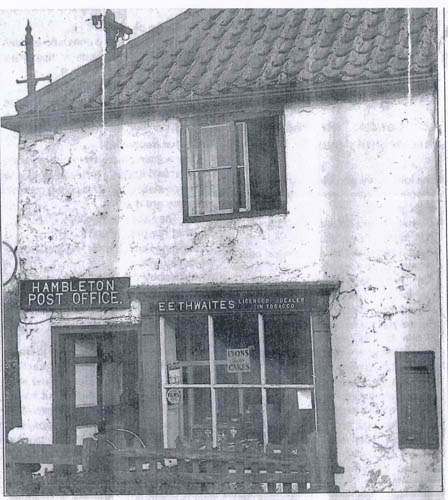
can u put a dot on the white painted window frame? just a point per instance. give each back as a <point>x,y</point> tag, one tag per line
<point>213,385</point>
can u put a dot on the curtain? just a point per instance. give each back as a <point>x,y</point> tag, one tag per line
<point>209,167</point>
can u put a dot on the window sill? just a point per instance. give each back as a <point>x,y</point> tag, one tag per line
<point>238,215</point>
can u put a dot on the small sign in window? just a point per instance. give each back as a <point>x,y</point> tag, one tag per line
<point>174,373</point>
<point>238,360</point>
<point>304,399</point>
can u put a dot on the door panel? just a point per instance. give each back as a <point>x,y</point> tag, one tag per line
<point>98,387</point>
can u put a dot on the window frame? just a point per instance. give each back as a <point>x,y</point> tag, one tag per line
<point>213,385</point>
<point>234,118</point>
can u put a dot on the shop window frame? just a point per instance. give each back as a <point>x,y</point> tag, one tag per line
<point>213,385</point>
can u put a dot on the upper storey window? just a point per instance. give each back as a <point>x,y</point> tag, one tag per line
<point>233,167</point>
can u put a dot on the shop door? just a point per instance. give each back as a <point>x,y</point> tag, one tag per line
<point>98,389</point>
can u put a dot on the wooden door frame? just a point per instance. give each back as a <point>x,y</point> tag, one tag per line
<point>58,335</point>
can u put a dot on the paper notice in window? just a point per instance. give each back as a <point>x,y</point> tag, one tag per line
<point>304,399</point>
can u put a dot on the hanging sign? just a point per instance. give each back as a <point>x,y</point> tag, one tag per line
<point>238,360</point>
<point>74,294</point>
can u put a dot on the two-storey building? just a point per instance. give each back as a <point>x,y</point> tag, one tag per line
<point>228,231</point>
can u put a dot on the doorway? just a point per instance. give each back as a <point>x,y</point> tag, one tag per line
<point>96,387</point>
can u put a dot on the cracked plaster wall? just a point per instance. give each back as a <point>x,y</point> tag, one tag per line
<point>362,209</point>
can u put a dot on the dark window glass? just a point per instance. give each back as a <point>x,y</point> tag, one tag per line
<point>288,349</point>
<point>288,423</point>
<point>240,420</point>
<point>237,331</point>
<point>186,349</point>
<point>263,161</point>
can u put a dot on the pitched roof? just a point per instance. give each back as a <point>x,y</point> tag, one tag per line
<point>213,53</point>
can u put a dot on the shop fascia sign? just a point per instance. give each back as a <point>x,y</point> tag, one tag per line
<point>228,303</point>
<point>74,294</point>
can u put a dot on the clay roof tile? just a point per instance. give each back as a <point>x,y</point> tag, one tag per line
<point>209,52</point>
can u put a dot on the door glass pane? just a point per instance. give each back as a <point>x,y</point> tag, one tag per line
<point>86,384</point>
<point>288,349</point>
<point>290,418</point>
<point>84,348</point>
<point>84,432</point>
<point>240,420</point>
<point>119,381</point>
<point>186,348</point>
<point>112,368</point>
<point>237,350</point>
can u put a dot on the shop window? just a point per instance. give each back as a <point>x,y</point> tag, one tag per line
<point>233,381</point>
<point>233,168</point>
<point>416,400</point>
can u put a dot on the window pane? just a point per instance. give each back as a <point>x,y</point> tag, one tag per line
<point>225,189</point>
<point>237,350</point>
<point>263,161</point>
<point>209,161</point>
<point>194,196</point>
<point>86,384</point>
<point>85,348</point>
<point>186,349</point>
<point>84,432</point>
<point>190,420</point>
<point>240,419</point>
<point>288,423</point>
<point>193,135</point>
<point>210,192</point>
<point>288,349</point>
<point>216,146</point>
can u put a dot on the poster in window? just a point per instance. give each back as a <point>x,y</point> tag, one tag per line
<point>238,360</point>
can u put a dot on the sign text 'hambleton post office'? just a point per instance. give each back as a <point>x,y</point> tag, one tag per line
<point>74,294</point>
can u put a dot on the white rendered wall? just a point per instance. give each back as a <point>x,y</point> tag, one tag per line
<point>362,208</point>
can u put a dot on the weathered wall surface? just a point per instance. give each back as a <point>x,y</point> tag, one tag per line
<point>362,209</point>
